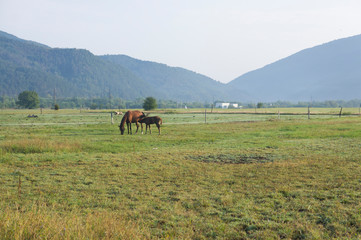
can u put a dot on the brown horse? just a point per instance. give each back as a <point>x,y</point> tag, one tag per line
<point>129,118</point>
<point>151,120</point>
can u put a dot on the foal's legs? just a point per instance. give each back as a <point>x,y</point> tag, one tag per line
<point>137,127</point>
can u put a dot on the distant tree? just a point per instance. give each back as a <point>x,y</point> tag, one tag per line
<point>28,99</point>
<point>93,106</point>
<point>56,107</point>
<point>259,105</point>
<point>150,103</point>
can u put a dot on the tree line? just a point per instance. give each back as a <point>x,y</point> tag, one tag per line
<point>30,99</point>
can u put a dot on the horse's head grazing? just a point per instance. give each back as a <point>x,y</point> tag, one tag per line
<point>121,129</point>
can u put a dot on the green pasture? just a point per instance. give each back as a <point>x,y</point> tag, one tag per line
<point>69,174</point>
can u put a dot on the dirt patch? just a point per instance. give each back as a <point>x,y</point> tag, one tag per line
<point>234,158</point>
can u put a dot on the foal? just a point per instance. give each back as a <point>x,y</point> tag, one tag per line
<point>151,120</point>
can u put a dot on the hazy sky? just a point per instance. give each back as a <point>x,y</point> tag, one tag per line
<point>222,39</point>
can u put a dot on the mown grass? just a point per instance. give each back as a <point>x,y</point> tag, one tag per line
<point>265,179</point>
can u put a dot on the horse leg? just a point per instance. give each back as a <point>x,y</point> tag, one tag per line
<point>141,125</point>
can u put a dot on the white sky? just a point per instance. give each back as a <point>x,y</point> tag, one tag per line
<point>222,39</point>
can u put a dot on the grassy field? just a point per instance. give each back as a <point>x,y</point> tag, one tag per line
<point>71,175</point>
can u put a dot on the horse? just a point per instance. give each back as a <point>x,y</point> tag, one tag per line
<point>129,118</point>
<point>151,120</point>
<point>118,113</point>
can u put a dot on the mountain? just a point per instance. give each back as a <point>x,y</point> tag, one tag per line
<point>25,65</point>
<point>331,71</point>
<point>326,72</point>
<point>173,82</point>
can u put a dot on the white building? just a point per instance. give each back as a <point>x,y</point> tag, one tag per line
<point>222,105</point>
<point>226,105</point>
<point>234,105</point>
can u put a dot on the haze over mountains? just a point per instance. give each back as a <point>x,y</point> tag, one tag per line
<point>331,71</point>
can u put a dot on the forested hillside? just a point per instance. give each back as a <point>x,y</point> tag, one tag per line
<point>26,65</point>
<point>327,72</point>
<point>173,82</point>
<point>72,72</point>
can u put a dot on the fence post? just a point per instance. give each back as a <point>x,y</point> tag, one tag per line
<point>111,116</point>
<point>340,112</point>
<point>309,113</point>
<point>205,115</point>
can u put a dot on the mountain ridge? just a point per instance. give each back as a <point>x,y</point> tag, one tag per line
<point>326,72</point>
<point>79,73</point>
<point>330,71</point>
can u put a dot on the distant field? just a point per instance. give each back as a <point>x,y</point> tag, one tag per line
<point>170,116</point>
<point>70,175</point>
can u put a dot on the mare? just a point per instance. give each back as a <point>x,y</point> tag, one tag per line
<point>129,118</point>
<point>151,120</point>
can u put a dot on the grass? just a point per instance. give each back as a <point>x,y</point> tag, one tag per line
<point>237,178</point>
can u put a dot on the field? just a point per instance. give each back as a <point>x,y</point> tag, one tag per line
<point>69,174</point>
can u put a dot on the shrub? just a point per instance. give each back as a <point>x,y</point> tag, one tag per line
<point>150,103</point>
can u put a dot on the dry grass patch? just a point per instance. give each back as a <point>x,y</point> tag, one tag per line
<point>40,222</point>
<point>38,145</point>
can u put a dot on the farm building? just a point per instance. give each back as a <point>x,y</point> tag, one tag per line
<point>226,105</point>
